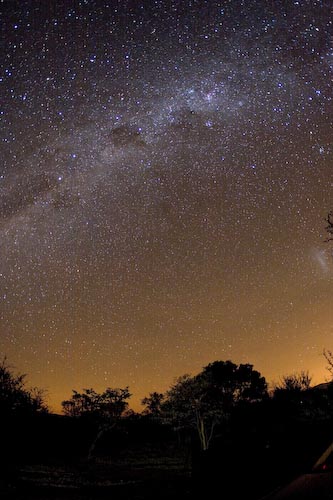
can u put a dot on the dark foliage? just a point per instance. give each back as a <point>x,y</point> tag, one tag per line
<point>205,402</point>
<point>110,404</point>
<point>265,441</point>
<point>101,410</point>
<point>153,404</point>
<point>20,409</point>
<point>15,398</point>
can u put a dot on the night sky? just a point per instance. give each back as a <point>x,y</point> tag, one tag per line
<point>167,167</point>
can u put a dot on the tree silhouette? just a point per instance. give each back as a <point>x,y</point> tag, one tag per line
<point>104,408</point>
<point>206,400</point>
<point>296,382</point>
<point>15,398</point>
<point>153,404</point>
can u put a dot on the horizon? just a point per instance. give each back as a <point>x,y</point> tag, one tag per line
<point>135,399</point>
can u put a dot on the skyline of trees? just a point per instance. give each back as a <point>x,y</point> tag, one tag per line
<point>222,408</point>
<point>244,384</point>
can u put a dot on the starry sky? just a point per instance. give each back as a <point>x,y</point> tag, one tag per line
<point>167,167</point>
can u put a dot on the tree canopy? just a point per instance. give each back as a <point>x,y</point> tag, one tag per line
<point>105,409</point>
<point>153,404</point>
<point>205,400</point>
<point>15,397</point>
<point>110,404</point>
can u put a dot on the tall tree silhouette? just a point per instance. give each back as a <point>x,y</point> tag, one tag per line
<point>206,400</point>
<point>104,408</point>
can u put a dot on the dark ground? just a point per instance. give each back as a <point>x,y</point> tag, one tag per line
<point>46,459</point>
<point>86,481</point>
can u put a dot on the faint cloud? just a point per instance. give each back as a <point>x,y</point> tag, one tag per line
<point>323,258</point>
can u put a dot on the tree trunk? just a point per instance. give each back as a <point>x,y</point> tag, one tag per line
<point>202,432</point>
<point>102,430</point>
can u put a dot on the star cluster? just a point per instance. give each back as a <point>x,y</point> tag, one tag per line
<point>167,168</point>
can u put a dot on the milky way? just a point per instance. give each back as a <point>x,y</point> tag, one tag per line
<point>167,171</point>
